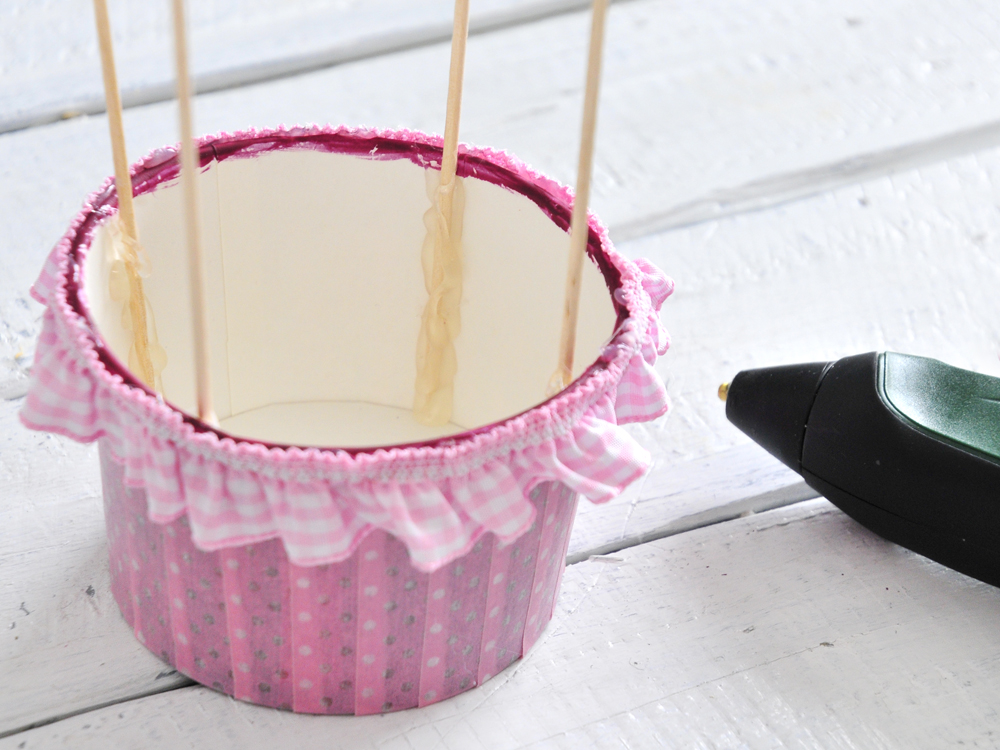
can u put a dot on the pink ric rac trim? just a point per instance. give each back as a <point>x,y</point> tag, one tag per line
<point>439,496</point>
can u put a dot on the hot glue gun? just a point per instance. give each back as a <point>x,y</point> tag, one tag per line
<point>907,446</point>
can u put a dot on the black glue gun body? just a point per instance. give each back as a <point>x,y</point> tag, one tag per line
<point>907,446</point>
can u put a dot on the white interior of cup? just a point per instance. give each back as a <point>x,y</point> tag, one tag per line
<point>315,291</point>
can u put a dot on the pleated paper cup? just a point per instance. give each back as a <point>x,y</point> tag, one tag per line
<point>321,550</point>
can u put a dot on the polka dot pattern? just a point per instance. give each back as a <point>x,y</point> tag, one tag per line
<point>514,573</point>
<point>140,563</point>
<point>368,635</point>
<point>324,645</point>
<point>452,651</point>
<point>116,521</point>
<point>560,509</point>
<point>395,643</point>
<point>200,627</point>
<point>259,626</point>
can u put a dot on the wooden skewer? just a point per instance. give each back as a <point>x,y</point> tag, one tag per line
<point>579,228</point>
<point>190,163</point>
<point>449,157</point>
<point>436,364</point>
<point>123,186</point>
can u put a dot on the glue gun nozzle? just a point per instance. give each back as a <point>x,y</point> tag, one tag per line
<point>723,391</point>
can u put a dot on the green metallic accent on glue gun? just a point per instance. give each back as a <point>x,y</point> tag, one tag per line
<point>957,405</point>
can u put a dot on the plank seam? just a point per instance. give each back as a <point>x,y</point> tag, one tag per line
<point>788,187</point>
<point>770,500</point>
<point>184,682</point>
<point>355,50</point>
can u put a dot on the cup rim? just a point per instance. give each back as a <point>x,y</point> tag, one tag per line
<point>497,167</point>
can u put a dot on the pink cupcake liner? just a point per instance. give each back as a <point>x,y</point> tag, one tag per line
<point>330,580</point>
<point>367,635</point>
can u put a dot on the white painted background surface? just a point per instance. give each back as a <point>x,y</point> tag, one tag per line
<point>818,177</point>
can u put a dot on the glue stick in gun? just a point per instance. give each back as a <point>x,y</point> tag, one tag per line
<point>907,446</point>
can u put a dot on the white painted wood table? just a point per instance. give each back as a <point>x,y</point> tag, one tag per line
<point>821,178</point>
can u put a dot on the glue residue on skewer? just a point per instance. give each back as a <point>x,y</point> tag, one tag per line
<point>440,325</point>
<point>129,264</point>
<point>126,278</point>
<point>441,255</point>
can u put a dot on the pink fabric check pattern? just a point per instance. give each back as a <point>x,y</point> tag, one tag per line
<point>439,498</point>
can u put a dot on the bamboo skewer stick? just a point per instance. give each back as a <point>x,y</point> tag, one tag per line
<point>190,163</point>
<point>126,210</point>
<point>441,256</point>
<point>579,228</point>
<point>456,74</point>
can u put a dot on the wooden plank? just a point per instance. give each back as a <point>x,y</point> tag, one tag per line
<point>648,164</point>
<point>902,262</point>
<point>839,310</point>
<point>795,627</point>
<point>48,52</point>
<point>63,639</point>
<point>677,496</point>
<point>697,111</point>
<point>906,263</point>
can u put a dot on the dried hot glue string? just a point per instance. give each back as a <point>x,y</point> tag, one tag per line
<point>129,264</point>
<point>441,322</point>
<point>441,256</point>
<point>146,358</point>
